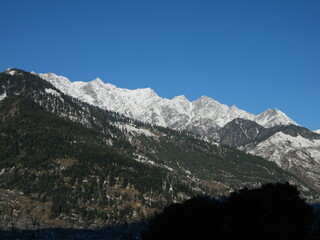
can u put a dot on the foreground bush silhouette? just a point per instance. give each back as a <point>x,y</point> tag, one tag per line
<point>273,212</point>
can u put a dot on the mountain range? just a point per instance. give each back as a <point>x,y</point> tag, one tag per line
<point>88,154</point>
<point>202,116</point>
<point>271,134</point>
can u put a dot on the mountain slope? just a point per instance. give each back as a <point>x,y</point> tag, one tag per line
<point>293,148</point>
<point>201,116</point>
<point>239,132</point>
<point>207,117</point>
<point>80,165</point>
<point>204,116</point>
<point>70,167</point>
<point>297,154</point>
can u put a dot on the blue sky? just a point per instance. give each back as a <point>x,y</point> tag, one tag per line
<point>254,54</point>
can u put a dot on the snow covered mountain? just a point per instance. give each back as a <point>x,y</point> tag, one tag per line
<point>122,168</point>
<point>202,116</point>
<point>293,148</point>
<point>317,131</point>
<point>271,134</point>
<point>296,154</point>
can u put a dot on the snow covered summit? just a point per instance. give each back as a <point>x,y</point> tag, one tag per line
<point>203,115</point>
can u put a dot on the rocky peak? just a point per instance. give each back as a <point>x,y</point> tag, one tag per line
<point>180,98</point>
<point>97,81</point>
<point>273,117</point>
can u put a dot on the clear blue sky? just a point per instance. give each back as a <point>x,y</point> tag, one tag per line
<point>254,54</point>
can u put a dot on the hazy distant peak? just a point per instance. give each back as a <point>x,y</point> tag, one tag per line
<point>273,117</point>
<point>109,85</point>
<point>52,77</point>
<point>145,89</point>
<point>271,110</point>
<point>98,81</point>
<point>207,101</point>
<point>234,108</point>
<point>180,98</point>
<point>205,98</point>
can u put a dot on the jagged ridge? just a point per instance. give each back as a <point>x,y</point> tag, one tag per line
<point>202,116</point>
<point>82,164</point>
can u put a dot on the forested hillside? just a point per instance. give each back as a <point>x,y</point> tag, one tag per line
<point>67,163</point>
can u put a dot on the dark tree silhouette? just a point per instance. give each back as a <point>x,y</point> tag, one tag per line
<point>273,212</point>
<point>193,219</point>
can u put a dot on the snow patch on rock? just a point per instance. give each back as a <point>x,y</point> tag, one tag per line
<point>143,159</point>
<point>135,130</point>
<point>139,131</point>
<point>10,71</point>
<point>3,96</point>
<point>53,92</point>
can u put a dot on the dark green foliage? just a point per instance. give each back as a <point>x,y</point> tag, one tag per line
<point>55,148</point>
<point>59,201</point>
<point>33,142</point>
<point>209,162</point>
<point>179,150</point>
<point>272,212</point>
